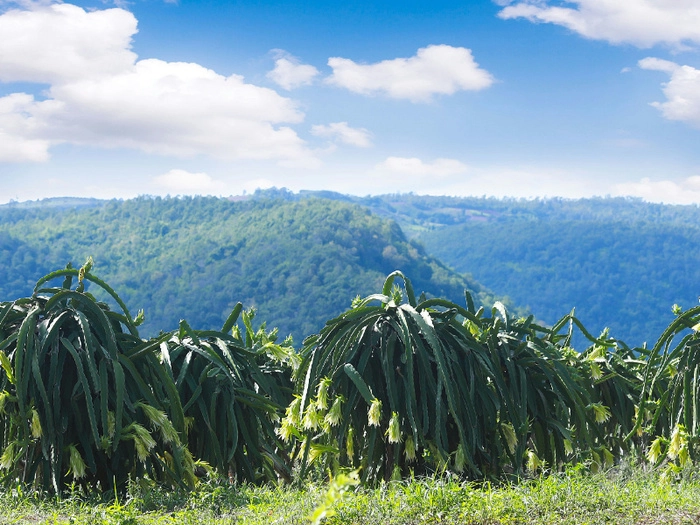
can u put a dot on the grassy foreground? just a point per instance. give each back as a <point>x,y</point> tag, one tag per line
<point>620,496</point>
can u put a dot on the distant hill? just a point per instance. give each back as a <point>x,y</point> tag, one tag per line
<point>622,263</point>
<point>56,202</point>
<point>300,257</point>
<point>298,262</point>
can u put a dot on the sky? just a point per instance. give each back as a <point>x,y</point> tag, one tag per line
<point>505,98</point>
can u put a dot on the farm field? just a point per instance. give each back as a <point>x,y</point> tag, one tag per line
<point>623,496</point>
<point>404,408</point>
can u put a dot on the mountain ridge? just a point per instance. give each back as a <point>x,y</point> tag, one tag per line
<point>621,263</point>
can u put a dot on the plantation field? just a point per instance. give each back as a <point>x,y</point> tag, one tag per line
<point>623,496</point>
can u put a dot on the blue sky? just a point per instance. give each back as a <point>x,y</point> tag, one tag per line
<point>523,98</point>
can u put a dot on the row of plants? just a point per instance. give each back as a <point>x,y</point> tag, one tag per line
<point>83,399</point>
<point>397,386</point>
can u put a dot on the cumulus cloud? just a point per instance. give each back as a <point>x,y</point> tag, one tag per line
<point>341,132</point>
<point>181,182</point>
<point>415,167</point>
<point>682,91</point>
<point>658,64</point>
<point>642,23</point>
<point>685,191</point>
<point>101,95</point>
<point>289,73</point>
<point>63,42</point>
<point>434,70</point>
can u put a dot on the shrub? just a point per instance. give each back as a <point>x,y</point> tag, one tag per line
<point>233,389</point>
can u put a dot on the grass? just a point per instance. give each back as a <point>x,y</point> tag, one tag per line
<point>619,496</point>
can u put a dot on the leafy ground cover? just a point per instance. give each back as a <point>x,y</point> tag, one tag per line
<point>621,496</point>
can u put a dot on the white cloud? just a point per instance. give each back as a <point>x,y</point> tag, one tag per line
<point>642,23</point>
<point>101,96</point>
<point>434,70</point>
<point>181,182</point>
<point>13,149</point>
<point>341,132</point>
<point>177,108</point>
<point>658,64</point>
<point>682,91</point>
<point>289,73</point>
<point>17,128</point>
<point>63,42</point>
<point>685,191</point>
<point>415,167</point>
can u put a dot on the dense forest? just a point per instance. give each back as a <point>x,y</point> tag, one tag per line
<point>298,263</point>
<point>622,263</point>
<point>297,257</point>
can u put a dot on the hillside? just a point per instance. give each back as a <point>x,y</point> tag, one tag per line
<point>622,263</point>
<point>298,263</point>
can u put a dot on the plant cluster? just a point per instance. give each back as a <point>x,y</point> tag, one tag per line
<point>84,400</point>
<point>400,388</point>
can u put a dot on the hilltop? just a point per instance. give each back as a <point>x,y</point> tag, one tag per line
<point>298,263</point>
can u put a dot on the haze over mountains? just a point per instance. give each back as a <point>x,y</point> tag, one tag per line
<point>301,258</point>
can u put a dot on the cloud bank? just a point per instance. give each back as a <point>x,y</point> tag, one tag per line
<point>642,23</point>
<point>415,167</point>
<point>434,70</point>
<point>100,94</point>
<point>685,191</point>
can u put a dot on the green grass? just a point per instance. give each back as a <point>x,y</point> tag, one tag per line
<point>620,496</point>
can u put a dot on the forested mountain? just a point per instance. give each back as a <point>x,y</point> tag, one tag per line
<point>622,263</point>
<point>300,257</point>
<point>298,263</point>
